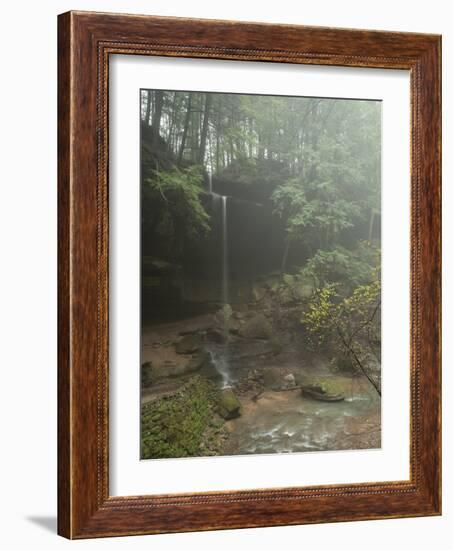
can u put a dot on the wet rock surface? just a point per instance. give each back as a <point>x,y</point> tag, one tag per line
<point>257,327</point>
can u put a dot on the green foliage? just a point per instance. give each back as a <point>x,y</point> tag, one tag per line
<point>341,265</point>
<point>347,325</point>
<point>315,212</point>
<point>305,204</point>
<point>339,268</point>
<point>174,206</point>
<point>339,140</point>
<point>336,183</point>
<point>318,158</point>
<point>293,289</point>
<point>318,316</point>
<point>174,426</point>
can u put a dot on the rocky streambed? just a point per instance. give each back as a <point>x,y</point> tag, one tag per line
<point>286,421</point>
<point>203,395</point>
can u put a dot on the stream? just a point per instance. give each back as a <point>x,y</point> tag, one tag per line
<point>283,422</point>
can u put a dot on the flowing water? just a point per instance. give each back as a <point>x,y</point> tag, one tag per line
<point>225,284</point>
<point>221,360</point>
<point>282,422</point>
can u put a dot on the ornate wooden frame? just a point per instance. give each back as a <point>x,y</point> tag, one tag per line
<point>85,41</point>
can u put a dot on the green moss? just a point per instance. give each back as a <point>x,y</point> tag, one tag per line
<point>329,386</point>
<point>228,405</point>
<point>175,426</point>
<point>148,375</point>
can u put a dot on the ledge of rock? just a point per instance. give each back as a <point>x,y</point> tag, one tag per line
<point>188,344</point>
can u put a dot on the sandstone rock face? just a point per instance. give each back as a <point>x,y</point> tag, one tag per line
<point>188,344</point>
<point>272,379</point>
<point>194,364</point>
<point>151,373</point>
<point>217,335</point>
<point>256,327</point>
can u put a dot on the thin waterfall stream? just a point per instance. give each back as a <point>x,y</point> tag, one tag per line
<point>220,358</point>
<point>225,285</point>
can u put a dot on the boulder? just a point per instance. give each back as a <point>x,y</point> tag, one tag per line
<point>217,335</point>
<point>222,316</point>
<point>323,388</point>
<point>272,379</point>
<point>198,361</point>
<point>228,405</point>
<point>188,344</point>
<point>304,287</point>
<point>289,381</point>
<point>316,392</point>
<point>256,327</point>
<point>259,291</point>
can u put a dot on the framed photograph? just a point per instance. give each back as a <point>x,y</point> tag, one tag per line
<point>249,275</point>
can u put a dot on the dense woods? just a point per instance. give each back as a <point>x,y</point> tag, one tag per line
<point>311,136</point>
<point>326,152</point>
<point>262,214</point>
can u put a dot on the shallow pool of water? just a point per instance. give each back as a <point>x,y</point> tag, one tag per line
<point>282,422</point>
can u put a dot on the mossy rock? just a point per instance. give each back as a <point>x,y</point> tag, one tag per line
<point>323,386</point>
<point>304,287</point>
<point>148,375</point>
<point>228,405</point>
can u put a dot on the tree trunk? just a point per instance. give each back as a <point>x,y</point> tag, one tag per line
<point>370,231</point>
<point>148,107</point>
<point>204,129</point>
<point>285,255</point>
<point>157,115</point>
<point>186,128</point>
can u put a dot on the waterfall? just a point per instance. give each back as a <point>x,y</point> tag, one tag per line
<point>220,358</point>
<point>225,284</point>
<point>210,183</point>
<point>223,364</point>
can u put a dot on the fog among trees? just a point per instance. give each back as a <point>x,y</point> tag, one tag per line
<point>261,217</point>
